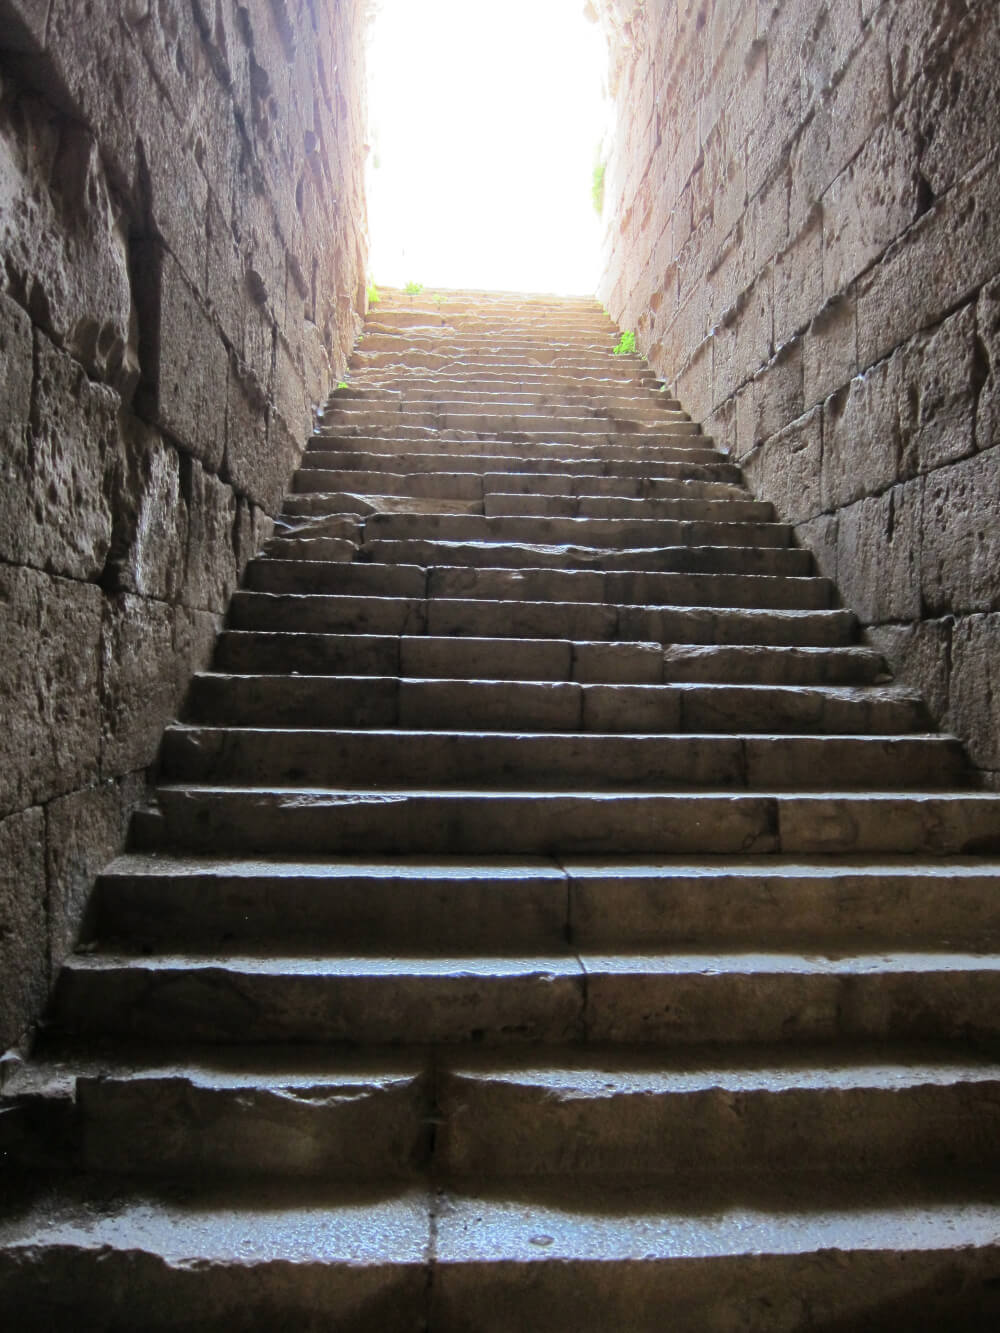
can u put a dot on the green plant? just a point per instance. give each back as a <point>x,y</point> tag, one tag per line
<point>626,344</point>
<point>413,288</point>
<point>597,189</point>
<point>437,298</point>
<point>342,384</point>
<point>373,296</point>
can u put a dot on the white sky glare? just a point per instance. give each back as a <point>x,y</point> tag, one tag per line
<point>484,123</point>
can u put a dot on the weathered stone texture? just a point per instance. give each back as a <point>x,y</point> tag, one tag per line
<point>831,167</point>
<point>50,632</point>
<point>23,928</point>
<point>169,172</point>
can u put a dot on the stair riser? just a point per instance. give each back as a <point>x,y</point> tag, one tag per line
<point>496,1127</point>
<point>469,486</point>
<point>494,659</point>
<point>519,706</point>
<point>306,1130</point>
<point>240,1004</point>
<point>324,822</point>
<point>488,1128</point>
<point>247,653</point>
<point>535,620</point>
<point>257,758</point>
<point>639,422</point>
<point>699,464</point>
<point>773,560</point>
<point>542,907</point>
<point>618,587</point>
<point>593,532</point>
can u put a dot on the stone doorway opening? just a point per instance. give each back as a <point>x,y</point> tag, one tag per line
<point>486,129</point>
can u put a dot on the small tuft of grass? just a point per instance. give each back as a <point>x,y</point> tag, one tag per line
<point>373,295</point>
<point>597,189</point>
<point>413,288</point>
<point>342,384</point>
<point>438,299</point>
<point>626,344</point>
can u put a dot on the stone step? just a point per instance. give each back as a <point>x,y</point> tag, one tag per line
<point>393,1256</point>
<point>295,753</point>
<point>205,903</point>
<point>491,385</point>
<point>247,653</point>
<point>751,665</point>
<point>705,464</point>
<point>502,415</point>
<point>680,480</point>
<point>535,456</point>
<point>512,705</point>
<point>558,433</point>
<point>619,587</point>
<point>441,616</point>
<point>396,820</point>
<point>590,521</point>
<point>318,1114</point>
<point>415,392</point>
<point>608,508</point>
<point>523,368</point>
<point>593,532</point>
<point>687,558</point>
<point>677,999</point>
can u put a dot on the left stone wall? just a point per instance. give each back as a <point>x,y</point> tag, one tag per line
<point>182,258</point>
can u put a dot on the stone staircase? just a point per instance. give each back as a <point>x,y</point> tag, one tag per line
<point>551,915</point>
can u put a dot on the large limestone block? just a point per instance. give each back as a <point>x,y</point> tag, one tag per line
<point>23,951</point>
<point>139,687</point>
<point>193,369</point>
<point>878,555</point>
<point>974,710</point>
<point>49,637</point>
<point>150,518</point>
<point>84,831</point>
<point>54,509</point>
<point>960,559</point>
<point>64,237</point>
<point>211,557</point>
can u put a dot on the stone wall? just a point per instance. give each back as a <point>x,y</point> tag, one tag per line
<point>181,262</point>
<point>804,205</point>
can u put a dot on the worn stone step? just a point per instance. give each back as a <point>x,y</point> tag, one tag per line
<point>412,392</point>
<point>475,486</point>
<point>609,508</point>
<point>108,1254</point>
<point>686,558</point>
<point>247,652</point>
<point>402,904</point>
<point>310,820</point>
<point>424,452</point>
<point>285,754</point>
<point>606,904</point>
<point>667,999</point>
<point>510,363</point>
<point>700,464</point>
<point>514,705</point>
<point>301,510</point>
<point>838,903</point>
<point>603,1255</point>
<point>615,587</point>
<point>317,1114</point>
<point>852,1111</point>
<point>442,414</point>
<point>754,529</point>
<point>441,616</point>
<point>751,665</point>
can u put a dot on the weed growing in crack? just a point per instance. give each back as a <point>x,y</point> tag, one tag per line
<point>626,344</point>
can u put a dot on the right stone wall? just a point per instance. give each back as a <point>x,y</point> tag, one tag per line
<point>804,205</point>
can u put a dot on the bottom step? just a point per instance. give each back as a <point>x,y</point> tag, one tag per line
<point>373,1261</point>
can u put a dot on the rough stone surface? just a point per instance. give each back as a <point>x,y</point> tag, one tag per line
<point>23,928</point>
<point>181,194</point>
<point>831,167</point>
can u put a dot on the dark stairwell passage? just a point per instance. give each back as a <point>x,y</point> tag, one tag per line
<point>551,914</point>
